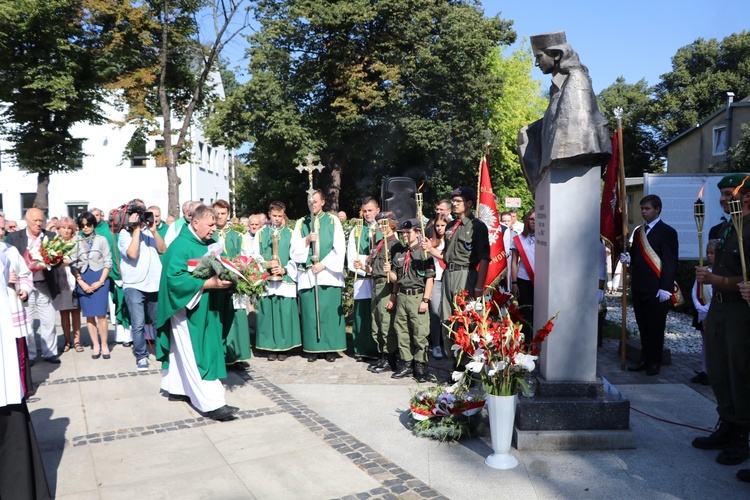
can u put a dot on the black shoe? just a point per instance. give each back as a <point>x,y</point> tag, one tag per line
<point>405,371</point>
<point>282,357</point>
<point>653,369</point>
<point>222,413</point>
<point>717,440</point>
<point>379,364</point>
<point>54,360</point>
<point>701,378</point>
<point>639,367</point>
<point>312,358</point>
<point>239,366</point>
<point>738,450</point>
<point>178,397</point>
<point>330,357</point>
<point>127,344</point>
<point>744,475</point>
<point>272,357</point>
<point>421,375</point>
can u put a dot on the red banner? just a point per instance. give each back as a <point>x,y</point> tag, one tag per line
<point>611,210</point>
<point>487,212</point>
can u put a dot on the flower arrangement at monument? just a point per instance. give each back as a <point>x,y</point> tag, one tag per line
<point>248,276</point>
<point>49,254</point>
<point>443,413</point>
<point>489,334</point>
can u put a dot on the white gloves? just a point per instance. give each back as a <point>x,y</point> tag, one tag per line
<point>702,312</point>
<point>663,295</point>
<point>625,258</point>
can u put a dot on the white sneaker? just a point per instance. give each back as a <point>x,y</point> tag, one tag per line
<point>142,365</point>
<point>437,352</point>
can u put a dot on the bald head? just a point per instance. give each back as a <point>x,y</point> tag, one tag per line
<point>253,224</point>
<point>34,221</point>
<point>191,210</point>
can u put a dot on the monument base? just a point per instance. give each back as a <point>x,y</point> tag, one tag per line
<point>574,415</point>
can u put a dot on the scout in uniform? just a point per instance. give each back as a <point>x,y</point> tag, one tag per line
<point>466,255</point>
<point>382,316</point>
<point>415,270</point>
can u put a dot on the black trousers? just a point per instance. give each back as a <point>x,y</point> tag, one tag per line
<point>21,469</point>
<point>651,316</point>
<point>526,303</point>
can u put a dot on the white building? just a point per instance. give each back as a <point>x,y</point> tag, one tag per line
<point>109,177</point>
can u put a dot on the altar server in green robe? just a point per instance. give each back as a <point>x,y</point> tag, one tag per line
<point>278,328</point>
<point>328,274</point>
<point>193,318</point>
<point>362,241</point>
<point>238,349</point>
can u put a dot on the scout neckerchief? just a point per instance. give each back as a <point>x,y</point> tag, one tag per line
<point>654,262</point>
<point>520,246</point>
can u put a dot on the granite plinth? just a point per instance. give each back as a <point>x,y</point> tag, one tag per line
<point>594,405</point>
<point>633,352</point>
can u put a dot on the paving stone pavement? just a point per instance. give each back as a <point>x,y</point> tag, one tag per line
<point>334,430</point>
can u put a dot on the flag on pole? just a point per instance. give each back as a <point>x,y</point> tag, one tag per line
<point>487,213</point>
<point>611,209</point>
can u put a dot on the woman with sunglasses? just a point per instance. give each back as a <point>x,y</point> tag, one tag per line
<point>91,262</point>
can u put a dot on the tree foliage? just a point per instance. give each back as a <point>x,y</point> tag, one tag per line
<point>702,73</point>
<point>521,102</point>
<point>52,71</point>
<point>373,88</point>
<point>641,149</point>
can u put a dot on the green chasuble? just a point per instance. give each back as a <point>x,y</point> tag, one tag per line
<point>208,322</point>
<point>162,229</point>
<point>265,246</point>
<point>237,341</point>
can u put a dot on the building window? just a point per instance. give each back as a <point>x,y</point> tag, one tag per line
<point>201,156</point>
<point>76,209</point>
<point>720,140</point>
<point>137,147</point>
<point>27,201</point>
<point>1,202</point>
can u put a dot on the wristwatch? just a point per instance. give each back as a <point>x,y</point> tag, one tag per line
<point>425,300</point>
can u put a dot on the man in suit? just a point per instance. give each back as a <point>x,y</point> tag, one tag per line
<point>45,287</point>
<point>653,263</point>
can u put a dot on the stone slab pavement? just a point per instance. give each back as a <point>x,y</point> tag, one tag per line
<point>334,430</point>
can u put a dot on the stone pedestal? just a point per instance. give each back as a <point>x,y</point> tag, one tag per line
<point>572,408</point>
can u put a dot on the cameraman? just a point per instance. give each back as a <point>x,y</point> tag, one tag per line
<point>140,245</point>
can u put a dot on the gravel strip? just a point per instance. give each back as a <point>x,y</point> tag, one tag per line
<point>679,336</point>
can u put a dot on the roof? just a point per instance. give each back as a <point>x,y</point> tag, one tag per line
<point>740,104</point>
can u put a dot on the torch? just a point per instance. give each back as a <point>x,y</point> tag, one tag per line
<point>419,198</point>
<point>384,228</point>
<point>699,213</point>
<point>735,210</point>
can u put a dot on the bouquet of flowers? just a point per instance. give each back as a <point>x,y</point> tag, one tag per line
<point>246,274</point>
<point>443,413</point>
<point>50,253</point>
<point>490,335</point>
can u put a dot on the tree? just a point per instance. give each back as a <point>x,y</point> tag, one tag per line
<point>167,71</point>
<point>702,73</point>
<point>375,88</point>
<point>52,71</point>
<point>641,148</point>
<point>521,102</point>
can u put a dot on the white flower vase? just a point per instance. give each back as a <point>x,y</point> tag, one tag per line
<point>502,412</point>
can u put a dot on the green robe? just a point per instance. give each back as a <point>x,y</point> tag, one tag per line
<point>363,342</point>
<point>237,342</point>
<point>162,229</point>
<point>278,316</point>
<point>208,322</point>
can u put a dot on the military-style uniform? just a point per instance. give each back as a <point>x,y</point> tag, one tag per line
<point>727,348</point>
<point>382,318</point>
<point>466,243</point>
<point>361,244</point>
<point>414,272</point>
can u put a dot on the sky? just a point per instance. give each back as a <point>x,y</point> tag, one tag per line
<point>634,39</point>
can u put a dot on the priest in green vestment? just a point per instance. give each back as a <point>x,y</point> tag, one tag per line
<point>278,328</point>
<point>237,342</point>
<point>327,274</point>
<point>193,319</point>
<point>362,240</point>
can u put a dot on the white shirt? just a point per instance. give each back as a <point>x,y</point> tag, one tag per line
<point>143,272</point>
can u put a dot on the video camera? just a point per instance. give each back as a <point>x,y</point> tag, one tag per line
<point>144,217</point>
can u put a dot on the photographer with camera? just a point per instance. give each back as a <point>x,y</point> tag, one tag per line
<point>140,245</point>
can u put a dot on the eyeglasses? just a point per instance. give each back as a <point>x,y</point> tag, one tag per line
<point>86,224</point>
